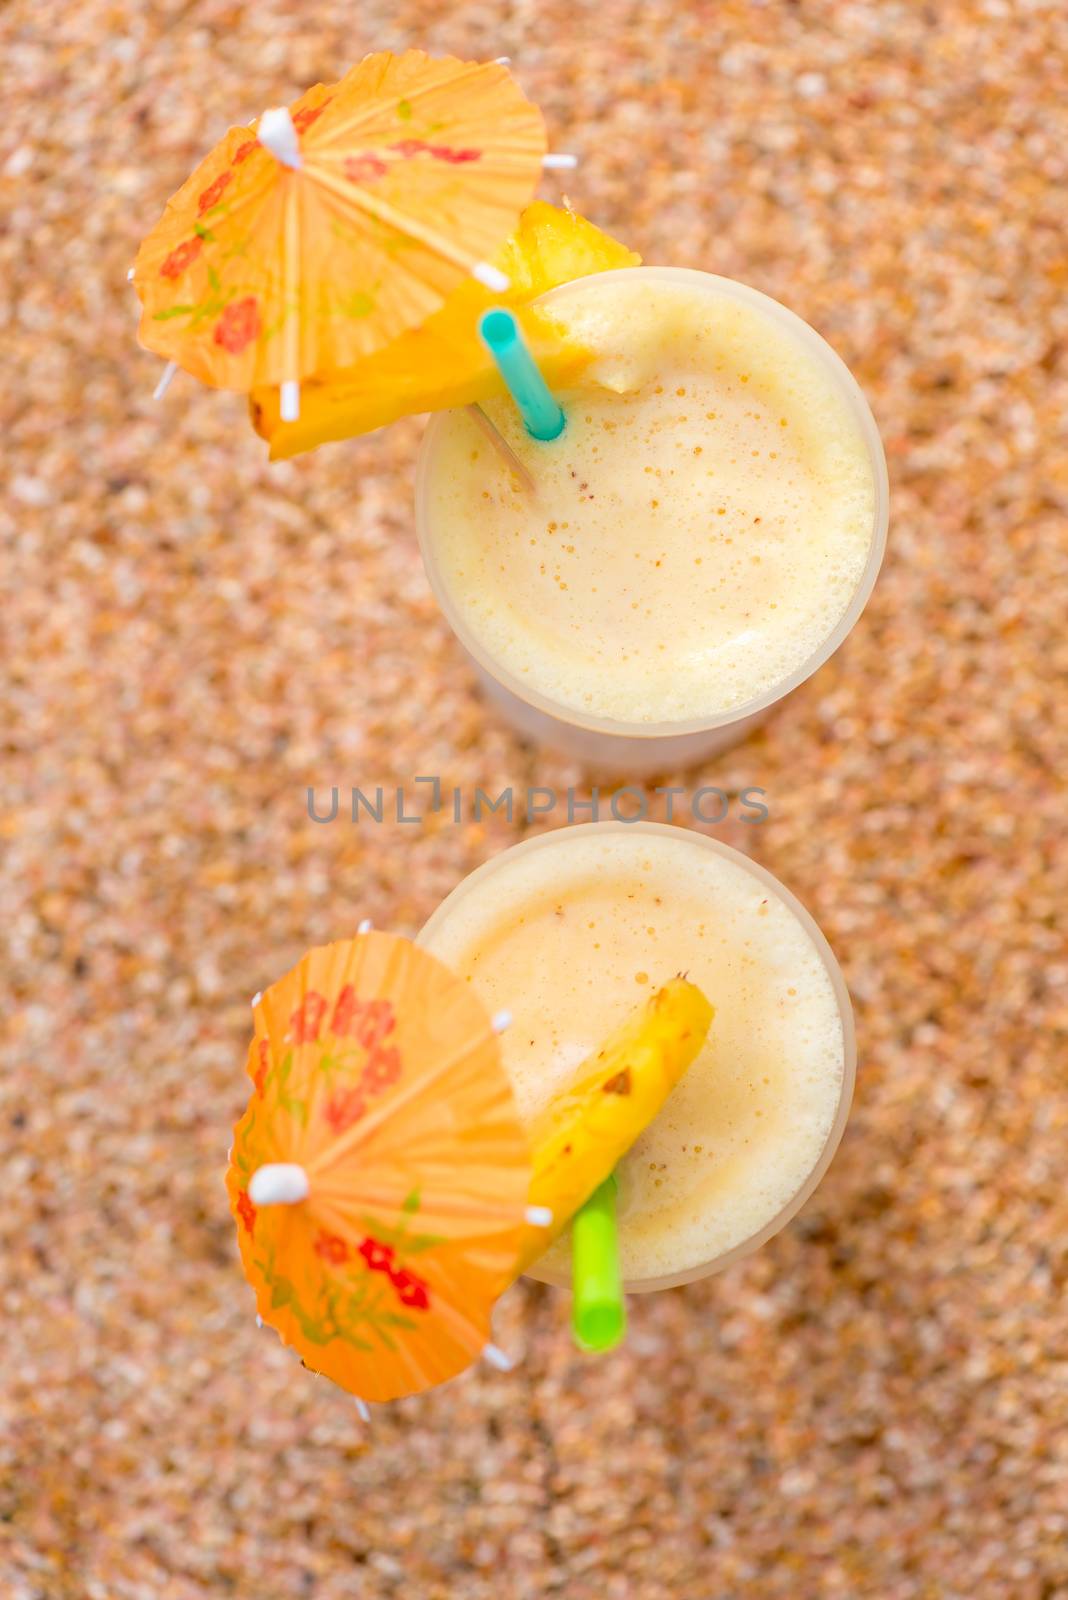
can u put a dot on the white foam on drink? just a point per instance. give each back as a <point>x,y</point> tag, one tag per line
<point>577,934</point>
<point>700,527</point>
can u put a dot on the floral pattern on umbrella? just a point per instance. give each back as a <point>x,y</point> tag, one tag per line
<point>377,1072</point>
<point>411,172</point>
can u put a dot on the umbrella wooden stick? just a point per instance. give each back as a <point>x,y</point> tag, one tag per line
<point>503,448</point>
<point>165,381</point>
<point>277,133</point>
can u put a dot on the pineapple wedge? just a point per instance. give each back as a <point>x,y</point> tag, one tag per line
<point>443,363</point>
<point>577,1140</point>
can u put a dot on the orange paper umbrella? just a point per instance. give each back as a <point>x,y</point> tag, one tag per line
<point>306,242</point>
<point>379,1176</point>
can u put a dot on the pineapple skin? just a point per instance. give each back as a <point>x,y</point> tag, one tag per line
<point>580,1137</point>
<point>442,364</point>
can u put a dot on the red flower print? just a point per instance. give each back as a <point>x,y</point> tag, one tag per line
<point>440,152</point>
<point>213,193</point>
<point>344,1012</point>
<point>246,1210</point>
<point>307,1019</point>
<point>243,152</point>
<point>411,1291</point>
<point>368,1021</point>
<point>238,325</point>
<point>309,114</point>
<point>377,1023</point>
<point>344,1107</point>
<point>379,1257</point>
<point>260,1077</point>
<point>181,257</point>
<point>445,152</point>
<point>383,1069</point>
<point>331,1247</point>
<point>361,169</point>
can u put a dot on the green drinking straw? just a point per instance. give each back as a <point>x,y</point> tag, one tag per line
<point>598,1317</point>
<point>502,338</point>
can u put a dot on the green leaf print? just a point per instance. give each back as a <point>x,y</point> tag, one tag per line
<point>335,1061</point>
<point>296,1107</point>
<point>207,308</point>
<point>414,1244</point>
<point>282,1293</point>
<point>395,1320</point>
<point>403,1242</point>
<point>356,305</point>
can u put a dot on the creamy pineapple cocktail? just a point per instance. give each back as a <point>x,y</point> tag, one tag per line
<point>704,531</point>
<point>572,931</point>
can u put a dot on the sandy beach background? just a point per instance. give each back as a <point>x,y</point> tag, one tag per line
<point>877,1404</point>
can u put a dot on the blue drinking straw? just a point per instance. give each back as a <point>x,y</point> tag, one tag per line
<point>502,338</point>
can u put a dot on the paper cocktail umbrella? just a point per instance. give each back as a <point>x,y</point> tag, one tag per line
<point>379,1178</point>
<point>306,242</point>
